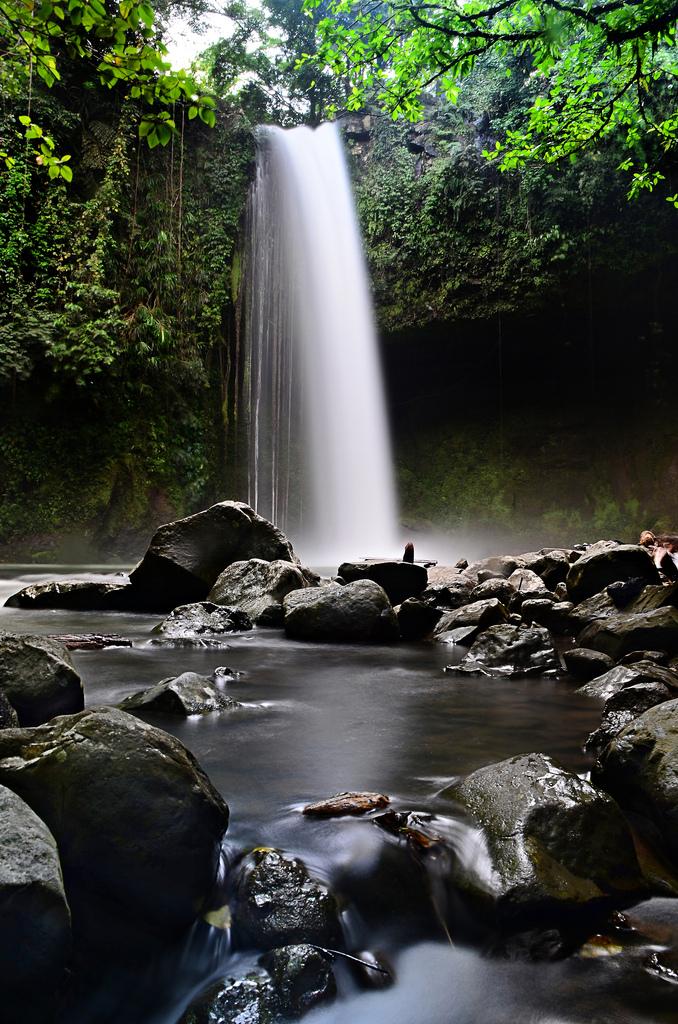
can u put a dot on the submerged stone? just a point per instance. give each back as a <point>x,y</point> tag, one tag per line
<point>346,803</point>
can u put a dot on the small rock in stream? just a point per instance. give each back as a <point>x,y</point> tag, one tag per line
<point>346,803</point>
<point>184,695</point>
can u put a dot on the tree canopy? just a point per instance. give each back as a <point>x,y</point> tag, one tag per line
<point>118,44</point>
<point>599,68</point>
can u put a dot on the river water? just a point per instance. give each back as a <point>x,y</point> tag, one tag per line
<point>320,719</point>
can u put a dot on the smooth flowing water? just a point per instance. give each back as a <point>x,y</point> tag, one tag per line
<point>320,462</point>
<point>319,719</point>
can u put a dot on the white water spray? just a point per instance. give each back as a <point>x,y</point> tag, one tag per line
<point>320,462</point>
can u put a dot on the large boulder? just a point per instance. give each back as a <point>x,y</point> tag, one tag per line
<point>257,587</point>
<point>510,650</point>
<point>75,595</point>
<point>185,558</point>
<point>416,619</point>
<point>640,768</point>
<point>184,695</point>
<point>276,903</point>
<point>38,678</point>
<point>620,634</point>
<point>549,839</point>
<point>202,619</point>
<point>137,822</point>
<point>35,937</point>
<point>400,580</point>
<point>606,563</point>
<point>355,612</point>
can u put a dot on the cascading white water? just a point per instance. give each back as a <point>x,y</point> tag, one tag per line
<point>320,461</point>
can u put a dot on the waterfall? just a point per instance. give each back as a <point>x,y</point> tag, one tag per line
<point>319,462</point>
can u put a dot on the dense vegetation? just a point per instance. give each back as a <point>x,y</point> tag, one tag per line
<point>118,325</point>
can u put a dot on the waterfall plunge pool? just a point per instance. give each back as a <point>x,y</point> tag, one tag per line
<point>321,719</point>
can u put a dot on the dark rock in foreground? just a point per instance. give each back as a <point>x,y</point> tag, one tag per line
<point>74,595</point>
<point>346,803</point>
<point>276,902</point>
<point>511,651</point>
<point>400,580</point>
<point>258,587</point>
<point>38,678</point>
<point>185,558</point>
<point>136,820</point>
<point>585,664</point>
<point>184,695</point>
<point>620,634</point>
<point>640,768</point>
<point>623,707</point>
<point>298,978</point>
<point>190,621</point>
<point>448,587</point>
<point>605,563</point>
<point>35,937</point>
<point>550,839</point>
<point>356,612</point>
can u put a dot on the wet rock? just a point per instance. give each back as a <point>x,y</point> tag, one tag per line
<point>623,594</point>
<point>512,650</point>
<point>652,597</point>
<point>551,564</point>
<point>527,584</point>
<point>448,587</point>
<point>400,580</point>
<point>302,978</point>
<point>659,657</point>
<point>204,618</point>
<point>359,611</point>
<point>640,768</point>
<point>186,557</point>
<point>74,595</point>
<point>137,822</point>
<point>585,664</point>
<point>38,678</point>
<point>604,563</point>
<point>258,587</point>
<point>247,1000</point>
<point>373,972</point>
<point>498,588</point>
<point>500,565</point>
<point>298,978</point>
<point>346,803</point>
<point>416,620</point>
<point>621,709</point>
<point>549,839</point>
<point>619,634</point>
<point>600,606</point>
<point>8,716</point>
<point>35,938</point>
<point>184,695</point>
<point>621,676</point>
<point>481,614</point>
<point>276,903</point>
<point>554,615</point>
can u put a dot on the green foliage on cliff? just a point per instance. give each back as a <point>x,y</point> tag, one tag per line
<point>598,71</point>
<point>116,321</point>
<point>450,238</point>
